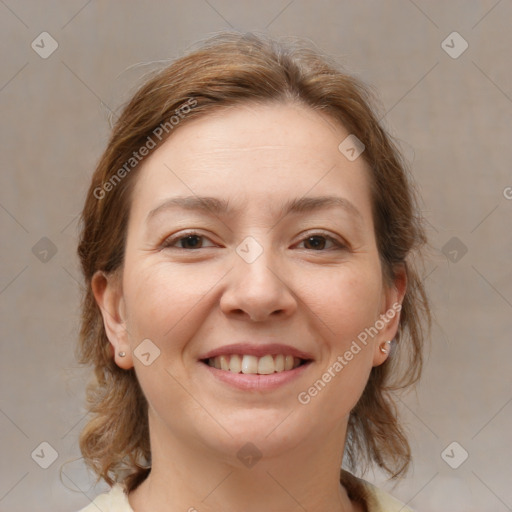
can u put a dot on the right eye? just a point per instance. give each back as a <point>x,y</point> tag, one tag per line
<point>188,240</point>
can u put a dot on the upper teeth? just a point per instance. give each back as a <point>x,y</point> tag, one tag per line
<point>252,364</point>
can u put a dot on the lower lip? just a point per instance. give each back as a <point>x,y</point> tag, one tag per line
<point>254,382</point>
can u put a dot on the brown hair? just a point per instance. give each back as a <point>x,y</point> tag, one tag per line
<point>227,70</point>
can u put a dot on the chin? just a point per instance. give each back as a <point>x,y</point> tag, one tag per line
<point>268,433</point>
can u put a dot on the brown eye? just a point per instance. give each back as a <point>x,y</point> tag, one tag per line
<point>318,242</point>
<point>185,241</point>
<point>190,242</point>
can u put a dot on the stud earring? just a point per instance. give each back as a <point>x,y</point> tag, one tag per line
<point>383,348</point>
<point>121,354</point>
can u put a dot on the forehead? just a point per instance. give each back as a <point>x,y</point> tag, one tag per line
<point>254,155</point>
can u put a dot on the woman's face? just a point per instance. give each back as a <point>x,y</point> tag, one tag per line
<point>265,273</point>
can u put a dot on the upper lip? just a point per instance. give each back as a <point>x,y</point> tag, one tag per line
<point>256,349</point>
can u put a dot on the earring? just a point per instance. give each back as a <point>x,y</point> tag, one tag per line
<point>121,354</point>
<point>383,348</point>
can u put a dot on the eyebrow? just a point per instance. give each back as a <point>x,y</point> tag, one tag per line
<point>216,206</point>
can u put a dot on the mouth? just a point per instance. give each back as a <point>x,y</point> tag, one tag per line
<point>258,367</point>
<point>254,365</point>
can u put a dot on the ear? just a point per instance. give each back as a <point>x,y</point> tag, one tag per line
<point>107,290</point>
<point>392,298</point>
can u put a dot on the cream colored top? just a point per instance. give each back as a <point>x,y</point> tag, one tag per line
<point>373,498</point>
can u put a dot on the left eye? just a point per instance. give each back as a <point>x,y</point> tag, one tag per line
<point>318,242</point>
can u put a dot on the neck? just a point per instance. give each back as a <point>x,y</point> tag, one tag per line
<point>188,476</point>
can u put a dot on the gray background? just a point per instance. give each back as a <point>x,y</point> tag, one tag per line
<point>453,116</point>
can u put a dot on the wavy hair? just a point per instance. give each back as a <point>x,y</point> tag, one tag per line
<point>227,70</point>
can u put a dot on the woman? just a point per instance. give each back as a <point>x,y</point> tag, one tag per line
<point>247,244</point>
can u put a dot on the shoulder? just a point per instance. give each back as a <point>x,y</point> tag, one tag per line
<point>114,500</point>
<point>386,502</point>
<point>375,499</point>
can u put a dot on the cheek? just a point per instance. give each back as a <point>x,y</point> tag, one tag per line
<point>350,306</point>
<point>349,301</point>
<point>162,299</point>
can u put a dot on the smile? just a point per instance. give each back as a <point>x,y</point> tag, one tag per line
<point>250,364</point>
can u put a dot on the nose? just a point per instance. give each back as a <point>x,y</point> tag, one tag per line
<point>258,290</point>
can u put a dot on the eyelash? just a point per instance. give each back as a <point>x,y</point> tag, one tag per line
<point>167,243</point>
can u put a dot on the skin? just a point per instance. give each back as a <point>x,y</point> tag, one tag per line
<point>188,301</point>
